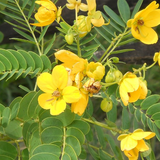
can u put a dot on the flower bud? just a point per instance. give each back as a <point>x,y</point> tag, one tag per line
<point>110,77</point>
<point>106,105</point>
<point>118,75</point>
<point>115,59</point>
<point>69,38</point>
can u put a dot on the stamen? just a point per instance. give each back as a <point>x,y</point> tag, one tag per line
<point>140,22</point>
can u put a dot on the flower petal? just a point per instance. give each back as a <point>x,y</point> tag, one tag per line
<point>80,106</point>
<point>128,143</point>
<point>58,107</point>
<point>60,76</point>
<point>134,96</point>
<point>132,154</point>
<point>142,146</point>
<point>45,100</point>
<point>71,94</point>
<point>45,83</point>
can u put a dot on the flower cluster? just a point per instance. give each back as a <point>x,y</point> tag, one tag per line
<point>71,82</point>
<point>133,143</point>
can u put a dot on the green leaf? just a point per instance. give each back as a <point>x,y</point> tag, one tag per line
<point>84,41</point>
<point>136,8</point>
<point>24,88</point>
<point>47,135</point>
<point>8,150</point>
<point>37,60</point>
<point>50,44</point>
<point>25,154</point>
<point>156,130</point>
<point>150,100</point>
<point>28,58</point>
<point>82,125</point>
<point>67,117</point>
<point>100,136</point>
<point>1,36</point>
<point>137,114</point>
<point>31,9</point>
<point>13,103</point>
<point>116,150</point>
<point>122,51</point>
<point>21,60</point>
<point>125,119</point>
<point>51,121</point>
<point>104,155</point>
<point>74,143</point>
<point>47,148</point>
<point>22,114</point>
<point>6,115</point>
<point>70,151</point>
<point>6,62</point>
<point>114,16</point>
<point>131,108</point>
<point>77,133</point>
<point>153,109</point>
<point>124,10</point>
<point>43,33</point>
<point>24,34</point>
<point>156,116</point>
<point>44,156</point>
<point>93,153</point>
<point>14,130</point>
<point>144,119</point>
<point>2,67</point>
<point>14,111</point>
<point>46,62</point>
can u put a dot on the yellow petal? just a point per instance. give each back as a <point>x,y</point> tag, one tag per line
<point>132,154</point>
<point>142,146</point>
<point>83,7</point>
<point>122,136</point>
<point>128,143</point>
<point>71,94</point>
<point>153,19</point>
<point>60,77</point>
<point>129,23</point>
<point>45,83</point>
<point>124,95</point>
<point>140,134</point>
<point>144,90</point>
<point>91,4</point>
<point>80,106</point>
<point>70,6</point>
<point>58,107</point>
<point>134,96</point>
<point>45,100</point>
<point>98,21</point>
<point>66,56</point>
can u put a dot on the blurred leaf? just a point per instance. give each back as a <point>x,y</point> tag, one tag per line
<point>125,119</point>
<point>104,155</point>
<point>8,150</point>
<point>6,115</point>
<point>25,154</point>
<point>1,36</point>
<point>150,100</point>
<point>124,10</point>
<point>14,130</point>
<point>153,109</point>
<point>114,16</point>
<point>44,156</point>
<point>136,8</point>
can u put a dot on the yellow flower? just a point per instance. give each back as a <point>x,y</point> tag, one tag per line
<point>133,143</point>
<point>77,5</point>
<point>95,70</point>
<point>157,57</point>
<point>141,25</point>
<point>80,106</point>
<point>95,16</point>
<point>132,88</point>
<point>57,93</point>
<point>71,61</point>
<point>46,14</point>
<point>83,25</point>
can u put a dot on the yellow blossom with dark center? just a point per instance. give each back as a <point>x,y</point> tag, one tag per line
<point>144,20</point>
<point>132,88</point>
<point>57,92</point>
<point>133,143</point>
<point>46,14</point>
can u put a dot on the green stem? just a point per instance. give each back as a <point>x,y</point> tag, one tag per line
<point>113,45</point>
<point>78,47</point>
<point>42,42</point>
<point>103,125</point>
<point>64,142</point>
<point>29,27</point>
